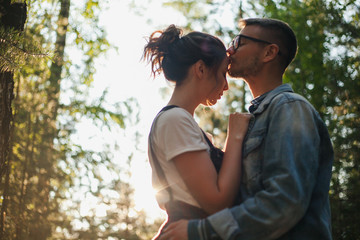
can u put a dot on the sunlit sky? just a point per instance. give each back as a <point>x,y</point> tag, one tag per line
<point>125,76</point>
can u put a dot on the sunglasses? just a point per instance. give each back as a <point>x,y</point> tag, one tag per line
<point>235,43</point>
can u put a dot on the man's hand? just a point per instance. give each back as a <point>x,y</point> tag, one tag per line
<point>176,231</point>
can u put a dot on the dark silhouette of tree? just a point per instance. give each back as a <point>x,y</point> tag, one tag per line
<point>12,20</point>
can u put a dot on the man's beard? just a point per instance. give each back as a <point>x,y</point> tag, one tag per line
<point>251,67</point>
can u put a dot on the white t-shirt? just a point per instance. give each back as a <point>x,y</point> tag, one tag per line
<point>174,132</point>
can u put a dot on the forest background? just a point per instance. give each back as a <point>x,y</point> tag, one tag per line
<point>69,151</point>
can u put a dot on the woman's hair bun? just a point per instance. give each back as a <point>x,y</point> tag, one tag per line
<point>158,46</point>
<point>169,36</point>
<point>173,54</point>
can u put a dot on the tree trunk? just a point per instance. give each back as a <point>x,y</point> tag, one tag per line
<point>11,16</point>
<point>6,96</point>
<point>41,228</point>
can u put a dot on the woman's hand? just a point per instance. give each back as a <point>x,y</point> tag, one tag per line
<point>238,126</point>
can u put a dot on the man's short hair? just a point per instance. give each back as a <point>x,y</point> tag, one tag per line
<point>278,32</point>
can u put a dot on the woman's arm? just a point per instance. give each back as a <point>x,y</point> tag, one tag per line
<point>215,191</point>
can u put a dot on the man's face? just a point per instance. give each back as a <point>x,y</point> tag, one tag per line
<point>244,60</point>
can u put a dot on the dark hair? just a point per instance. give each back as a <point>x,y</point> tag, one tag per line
<point>173,54</point>
<point>279,32</point>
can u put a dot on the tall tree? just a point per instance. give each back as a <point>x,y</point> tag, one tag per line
<point>51,174</point>
<point>12,21</point>
<point>41,228</point>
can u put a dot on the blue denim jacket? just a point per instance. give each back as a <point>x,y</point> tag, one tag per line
<point>286,171</point>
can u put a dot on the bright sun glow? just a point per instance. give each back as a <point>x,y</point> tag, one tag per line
<point>126,76</point>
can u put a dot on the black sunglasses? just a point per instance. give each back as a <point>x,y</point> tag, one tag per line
<point>235,43</point>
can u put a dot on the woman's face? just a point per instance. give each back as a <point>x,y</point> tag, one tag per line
<point>217,83</point>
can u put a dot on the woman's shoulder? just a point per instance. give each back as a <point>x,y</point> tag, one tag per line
<point>177,118</point>
<point>175,114</point>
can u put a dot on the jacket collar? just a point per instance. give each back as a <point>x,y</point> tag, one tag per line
<point>270,95</point>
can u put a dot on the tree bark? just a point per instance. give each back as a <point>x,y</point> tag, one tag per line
<point>41,228</point>
<point>11,16</point>
<point>6,96</point>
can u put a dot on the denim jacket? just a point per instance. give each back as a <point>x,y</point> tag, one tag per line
<point>286,171</point>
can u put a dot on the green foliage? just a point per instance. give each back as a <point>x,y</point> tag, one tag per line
<point>53,177</point>
<point>206,15</point>
<point>326,71</point>
<point>16,50</point>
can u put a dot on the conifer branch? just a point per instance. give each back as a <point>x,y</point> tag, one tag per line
<point>16,50</point>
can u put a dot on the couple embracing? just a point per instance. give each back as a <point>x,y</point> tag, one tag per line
<point>271,180</point>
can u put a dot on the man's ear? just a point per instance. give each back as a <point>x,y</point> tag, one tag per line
<point>271,51</point>
<point>199,69</point>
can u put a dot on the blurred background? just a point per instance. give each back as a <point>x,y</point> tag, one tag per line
<point>77,104</point>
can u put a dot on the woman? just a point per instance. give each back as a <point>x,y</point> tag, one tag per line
<point>185,164</point>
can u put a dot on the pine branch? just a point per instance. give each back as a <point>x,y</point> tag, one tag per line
<point>16,51</point>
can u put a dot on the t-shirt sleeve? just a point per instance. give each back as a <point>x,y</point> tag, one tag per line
<point>179,133</point>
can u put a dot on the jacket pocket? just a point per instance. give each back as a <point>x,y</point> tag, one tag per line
<point>253,141</point>
<point>253,161</point>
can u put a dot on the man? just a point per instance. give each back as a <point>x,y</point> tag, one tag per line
<point>287,154</point>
